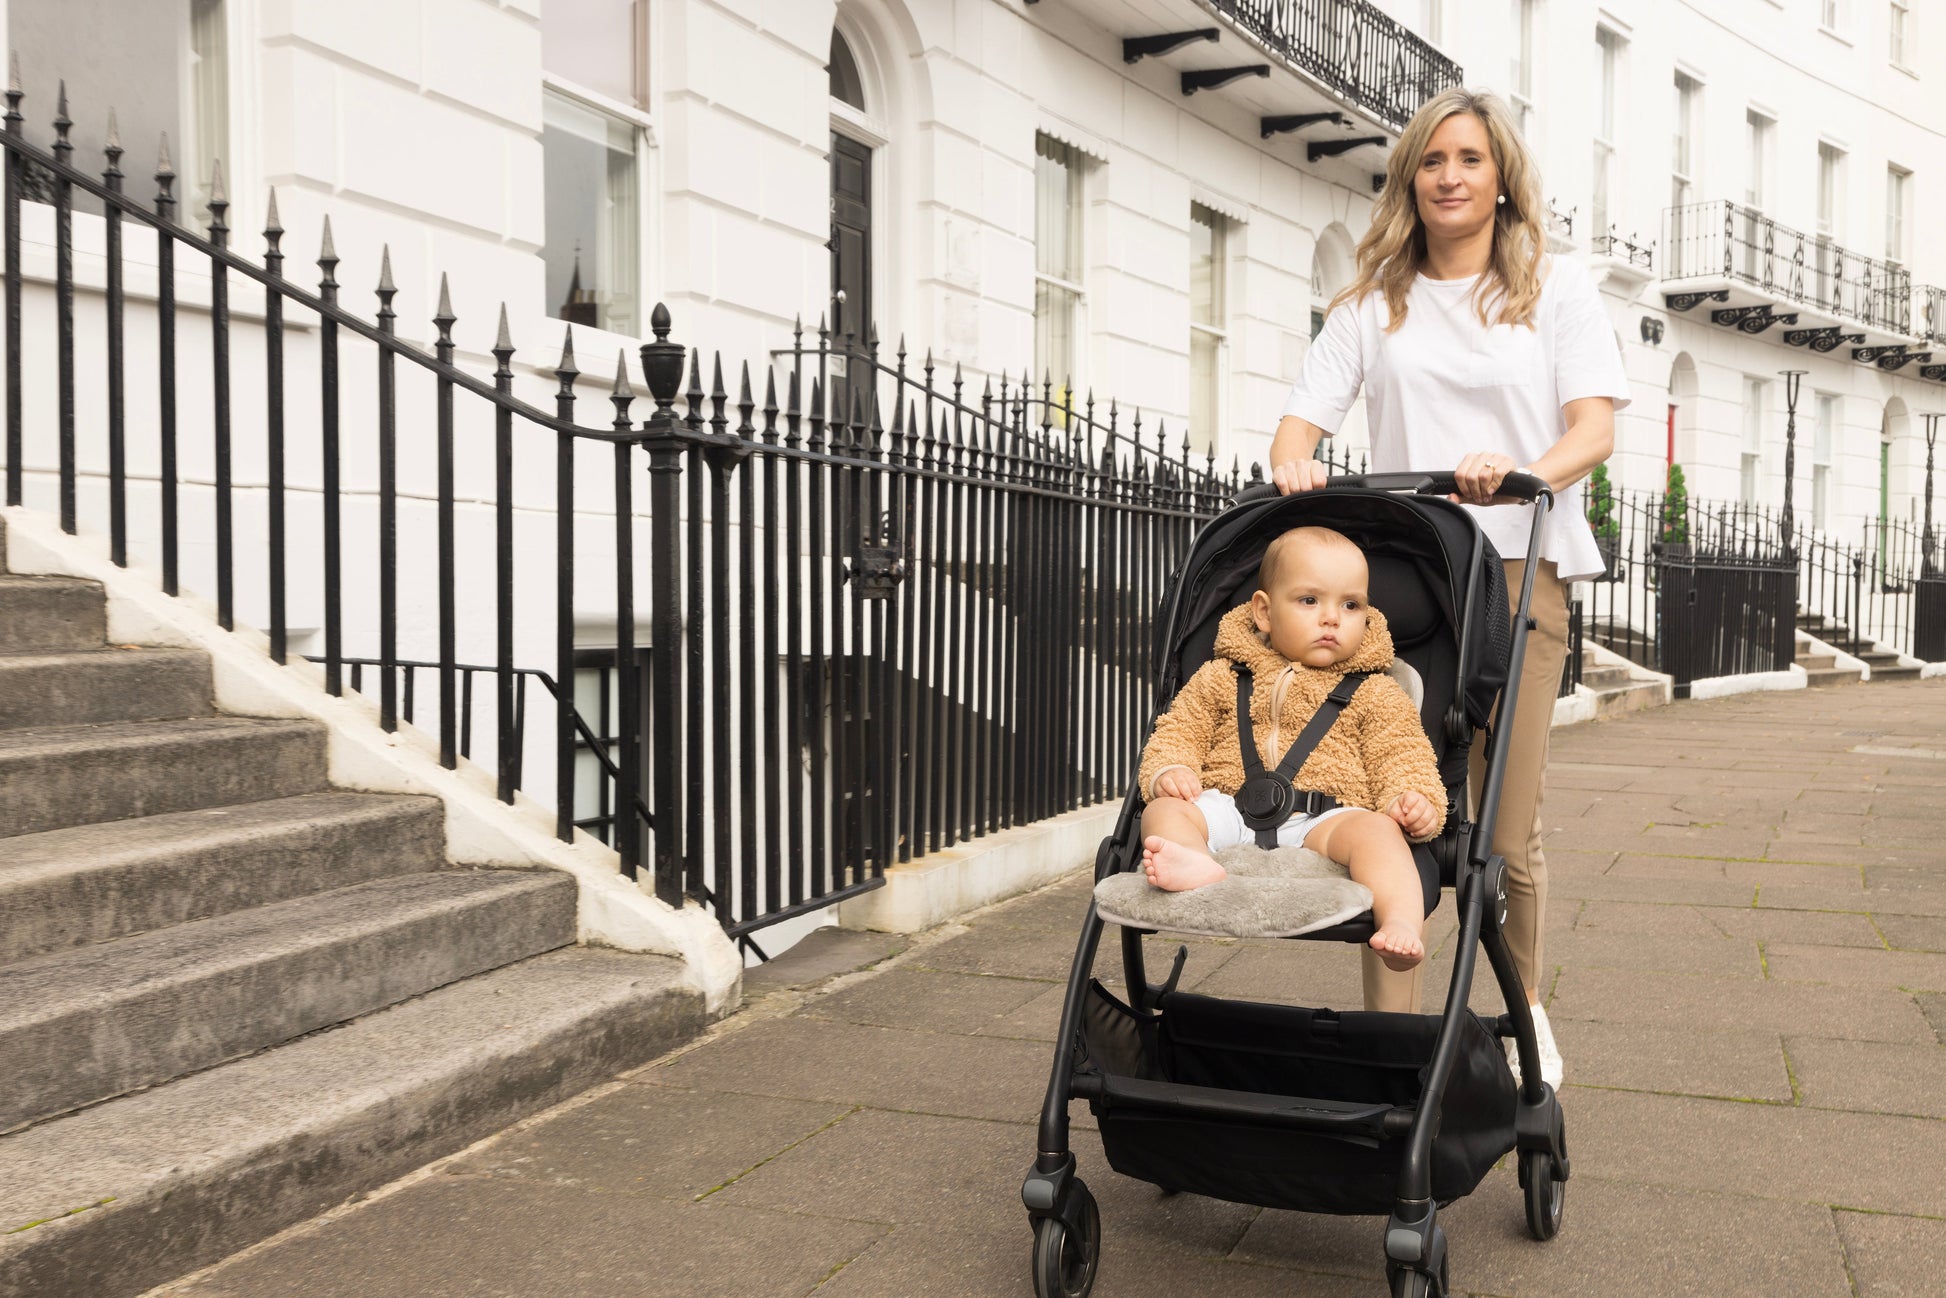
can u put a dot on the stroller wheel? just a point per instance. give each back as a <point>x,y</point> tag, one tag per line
<point>1417,1284</point>
<point>1064,1260</point>
<point>1545,1195</point>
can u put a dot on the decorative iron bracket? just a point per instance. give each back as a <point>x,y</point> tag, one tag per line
<point>1937,373</point>
<point>1315,149</point>
<point>1876,354</point>
<point>1685,301</point>
<point>1737,314</point>
<point>1211,78</point>
<point>1298,121</point>
<point>1137,48</point>
<point>1902,359</point>
<point>878,567</point>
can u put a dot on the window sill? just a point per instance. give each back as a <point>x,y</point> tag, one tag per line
<point>1835,35</point>
<point>1910,72</point>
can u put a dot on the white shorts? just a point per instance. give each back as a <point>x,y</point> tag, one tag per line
<point>1226,827</point>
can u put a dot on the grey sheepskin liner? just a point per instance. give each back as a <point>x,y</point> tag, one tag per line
<point>1279,893</point>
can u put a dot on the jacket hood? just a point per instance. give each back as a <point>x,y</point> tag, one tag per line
<point>1238,639</point>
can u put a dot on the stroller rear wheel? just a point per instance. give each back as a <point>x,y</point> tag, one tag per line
<point>1065,1260</point>
<point>1546,1195</point>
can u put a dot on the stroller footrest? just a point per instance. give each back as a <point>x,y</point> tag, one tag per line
<point>1336,1117</point>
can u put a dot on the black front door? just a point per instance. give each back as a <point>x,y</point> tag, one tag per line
<point>851,255</point>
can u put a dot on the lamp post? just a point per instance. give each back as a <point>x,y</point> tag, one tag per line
<point>1926,565</point>
<point>1792,379</point>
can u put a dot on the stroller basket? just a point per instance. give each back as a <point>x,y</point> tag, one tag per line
<point>1241,1067</point>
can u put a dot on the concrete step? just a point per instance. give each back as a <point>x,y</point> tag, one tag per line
<point>89,686</point>
<point>135,1192</point>
<point>86,1024</point>
<point>95,883</point>
<point>1892,671</point>
<point>1602,678</point>
<point>1816,662</point>
<point>1822,676</point>
<point>56,777</point>
<point>1631,696</point>
<point>38,614</point>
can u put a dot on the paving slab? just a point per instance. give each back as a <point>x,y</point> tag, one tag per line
<point>1854,967</point>
<point>1674,1058</point>
<point>1893,1257</point>
<point>1799,927</point>
<point>1870,1076</point>
<point>929,1000</point>
<point>1847,1013</point>
<point>1913,932</point>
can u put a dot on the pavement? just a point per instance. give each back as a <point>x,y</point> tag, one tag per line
<point>1748,932</point>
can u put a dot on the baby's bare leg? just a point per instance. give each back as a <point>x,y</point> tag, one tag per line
<point>1374,849</point>
<point>1175,846</point>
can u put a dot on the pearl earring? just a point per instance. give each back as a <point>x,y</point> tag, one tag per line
<point>1502,199</point>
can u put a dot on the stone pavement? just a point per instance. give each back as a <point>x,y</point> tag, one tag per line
<point>1748,924</point>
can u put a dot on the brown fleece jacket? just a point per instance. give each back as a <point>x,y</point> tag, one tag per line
<point>1375,752</point>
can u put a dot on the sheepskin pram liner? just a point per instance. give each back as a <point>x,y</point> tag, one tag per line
<point>1361,1058</point>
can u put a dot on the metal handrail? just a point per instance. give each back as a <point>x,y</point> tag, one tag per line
<point>1351,46</point>
<point>1734,241</point>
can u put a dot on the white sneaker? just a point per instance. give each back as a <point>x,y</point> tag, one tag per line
<point>1551,1066</point>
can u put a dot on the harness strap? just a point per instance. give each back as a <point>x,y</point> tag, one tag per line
<point>1267,800</point>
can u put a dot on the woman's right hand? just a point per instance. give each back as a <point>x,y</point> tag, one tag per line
<point>1299,475</point>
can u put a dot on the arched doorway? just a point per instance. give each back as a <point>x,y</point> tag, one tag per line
<point>1333,264</point>
<point>851,203</point>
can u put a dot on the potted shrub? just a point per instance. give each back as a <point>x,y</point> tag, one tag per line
<point>1601,519</point>
<point>1673,535</point>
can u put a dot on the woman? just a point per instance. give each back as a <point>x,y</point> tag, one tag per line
<point>1476,349</point>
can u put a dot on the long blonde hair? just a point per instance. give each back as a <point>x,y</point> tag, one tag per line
<point>1394,248</point>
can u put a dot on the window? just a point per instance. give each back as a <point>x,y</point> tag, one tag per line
<point>1688,89</point>
<point>1521,73</point>
<point>209,103</point>
<point>593,212</point>
<point>1830,219</point>
<point>1057,259</point>
<point>1753,439</point>
<point>1900,30</point>
<point>847,85</point>
<point>1607,45</point>
<point>1208,323</point>
<point>1429,16</point>
<point>1821,459</point>
<point>1759,128</point>
<point>593,57</point>
<point>1895,196</point>
<point>1319,302</point>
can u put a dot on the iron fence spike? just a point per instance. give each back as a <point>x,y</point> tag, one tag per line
<point>503,341</point>
<point>659,322</point>
<point>13,73</point>
<point>163,166</point>
<point>385,285</point>
<point>327,251</point>
<point>444,316</point>
<point>621,393</point>
<point>113,144</point>
<point>217,196</point>
<point>566,367</point>
<point>273,224</point>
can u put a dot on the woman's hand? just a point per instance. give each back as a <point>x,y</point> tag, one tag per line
<point>1480,474</point>
<point>1414,814</point>
<point>1177,782</point>
<point>1299,475</point>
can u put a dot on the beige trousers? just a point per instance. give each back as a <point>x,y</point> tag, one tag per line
<point>1517,829</point>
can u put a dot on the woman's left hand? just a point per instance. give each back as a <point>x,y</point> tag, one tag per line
<point>1480,474</point>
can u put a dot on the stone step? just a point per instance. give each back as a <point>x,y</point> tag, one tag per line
<point>57,777</point>
<point>1603,678</point>
<point>1816,662</point>
<point>41,614</point>
<point>95,883</point>
<point>98,1021</point>
<point>1822,676</point>
<point>90,686</point>
<point>1892,671</point>
<point>1631,696</point>
<point>137,1191</point>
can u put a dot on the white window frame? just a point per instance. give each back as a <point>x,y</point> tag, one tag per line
<point>1609,45</point>
<point>1520,78</point>
<point>1898,202</point>
<point>1220,227</point>
<point>1755,392</point>
<point>1898,35</point>
<point>1080,165</point>
<point>1683,144</point>
<point>1825,406</point>
<point>1831,199</point>
<point>642,131</point>
<point>1760,128</point>
<point>1432,12</point>
<point>1833,18</point>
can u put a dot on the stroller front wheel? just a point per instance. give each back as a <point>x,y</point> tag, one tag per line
<point>1407,1283</point>
<point>1065,1260</point>
<point>1546,1195</point>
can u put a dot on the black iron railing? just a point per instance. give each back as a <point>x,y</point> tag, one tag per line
<point>1577,646</point>
<point>1929,312</point>
<point>1353,49</point>
<point>1731,241</point>
<point>1611,244</point>
<point>884,615</point>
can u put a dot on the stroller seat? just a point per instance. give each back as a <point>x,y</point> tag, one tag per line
<point>1282,892</point>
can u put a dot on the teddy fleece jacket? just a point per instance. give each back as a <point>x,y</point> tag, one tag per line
<point>1375,752</point>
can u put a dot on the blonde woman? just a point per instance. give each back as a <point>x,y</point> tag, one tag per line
<point>1477,349</point>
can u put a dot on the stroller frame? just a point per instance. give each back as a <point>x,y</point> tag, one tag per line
<point>1062,1210</point>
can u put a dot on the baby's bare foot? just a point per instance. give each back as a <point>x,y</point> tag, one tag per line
<point>1398,946</point>
<point>1175,868</point>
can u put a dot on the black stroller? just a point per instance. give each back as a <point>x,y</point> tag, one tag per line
<point>1311,1109</point>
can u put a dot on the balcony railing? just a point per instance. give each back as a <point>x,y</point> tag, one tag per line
<point>1929,312</point>
<point>1353,49</point>
<point>1624,250</point>
<point>1728,240</point>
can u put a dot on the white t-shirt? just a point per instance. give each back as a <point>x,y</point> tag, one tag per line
<point>1443,386</point>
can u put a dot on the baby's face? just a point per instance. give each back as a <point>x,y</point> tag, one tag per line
<point>1316,616</point>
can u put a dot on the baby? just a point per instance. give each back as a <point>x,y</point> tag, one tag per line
<point>1308,624</point>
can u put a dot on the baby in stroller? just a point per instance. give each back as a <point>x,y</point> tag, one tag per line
<point>1354,788</point>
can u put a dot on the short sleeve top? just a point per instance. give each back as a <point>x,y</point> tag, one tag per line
<point>1443,385</point>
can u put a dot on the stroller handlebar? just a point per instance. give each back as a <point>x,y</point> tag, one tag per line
<point>1522,487</point>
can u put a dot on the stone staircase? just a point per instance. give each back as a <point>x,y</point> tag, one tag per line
<point>1885,666</point>
<point>1615,690</point>
<point>231,995</point>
